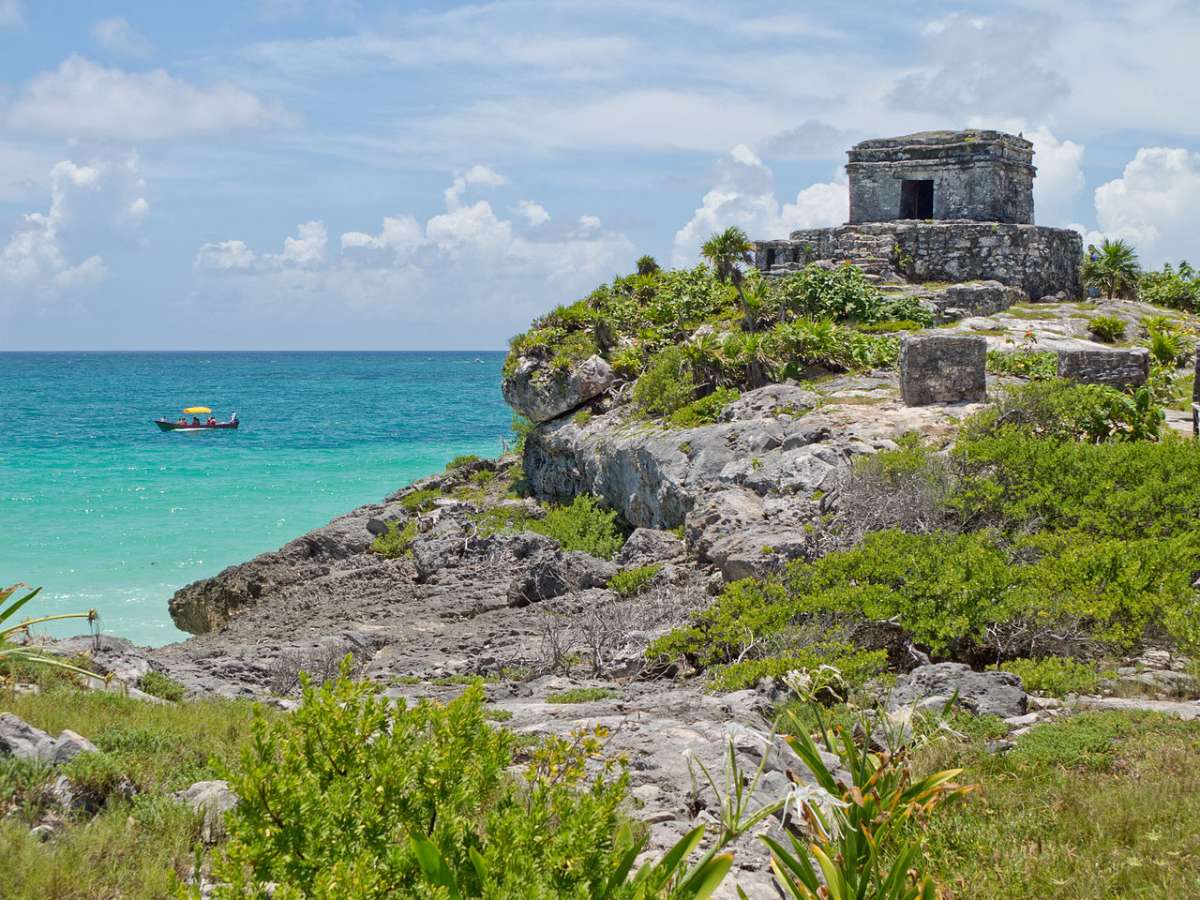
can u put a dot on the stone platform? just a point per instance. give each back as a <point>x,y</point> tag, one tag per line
<point>1040,261</point>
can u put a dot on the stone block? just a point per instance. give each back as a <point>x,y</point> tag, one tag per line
<point>1115,368</point>
<point>942,369</point>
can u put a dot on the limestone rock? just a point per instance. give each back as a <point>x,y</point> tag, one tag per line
<point>1116,368</point>
<point>983,693</point>
<point>650,545</point>
<point>214,799</point>
<point>68,745</point>
<point>942,369</point>
<point>541,396</point>
<point>555,574</point>
<point>21,740</point>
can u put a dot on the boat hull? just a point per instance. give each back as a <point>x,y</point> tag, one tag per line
<point>175,426</point>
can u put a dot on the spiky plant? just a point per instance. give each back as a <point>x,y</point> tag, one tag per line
<point>21,653</point>
<point>1112,268</point>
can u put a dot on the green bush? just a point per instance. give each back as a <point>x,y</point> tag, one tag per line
<point>159,685</point>
<point>1055,676</point>
<point>667,384</point>
<point>583,525</point>
<point>396,541</point>
<point>420,500</point>
<point>1171,287</point>
<point>834,667</point>
<point>459,461</point>
<point>1032,364</point>
<point>1109,329</point>
<point>351,796</point>
<point>1064,411</point>
<point>842,293</point>
<point>633,581</point>
<point>703,411</point>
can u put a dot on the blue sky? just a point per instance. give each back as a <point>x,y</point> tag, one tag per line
<point>339,174</point>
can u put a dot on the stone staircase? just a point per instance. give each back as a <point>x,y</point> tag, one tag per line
<point>872,253</point>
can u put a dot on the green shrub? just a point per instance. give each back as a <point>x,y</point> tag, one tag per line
<point>1108,329</point>
<point>521,427</point>
<point>506,518</point>
<point>459,461</point>
<point>834,666</point>
<point>1064,411</point>
<point>632,582</point>
<point>484,477</point>
<point>396,541</point>
<point>1087,740</point>
<point>842,293</point>
<point>1055,676</point>
<point>584,526</point>
<point>159,685</point>
<point>420,500</point>
<point>582,418</point>
<point>581,695</point>
<point>352,796</point>
<point>1032,364</point>
<point>667,384</point>
<point>1170,287</point>
<point>703,411</point>
<point>95,777</point>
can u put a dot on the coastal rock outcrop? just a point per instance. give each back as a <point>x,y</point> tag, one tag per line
<point>541,395</point>
<point>21,740</point>
<point>983,693</point>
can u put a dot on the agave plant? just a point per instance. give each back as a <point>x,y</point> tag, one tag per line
<point>20,653</point>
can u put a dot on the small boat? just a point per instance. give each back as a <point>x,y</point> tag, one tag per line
<point>195,423</point>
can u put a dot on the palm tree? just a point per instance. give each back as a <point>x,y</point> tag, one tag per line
<point>727,251</point>
<point>1113,269</point>
<point>647,265</point>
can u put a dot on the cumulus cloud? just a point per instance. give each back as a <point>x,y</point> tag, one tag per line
<point>1155,204</point>
<point>41,258</point>
<point>535,214</point>
<point>744,195</point>
<point>466,261</point>
<point>118,36</point>
<point>478,176</point>
<point>1059,184</point>
<point>84,99</point>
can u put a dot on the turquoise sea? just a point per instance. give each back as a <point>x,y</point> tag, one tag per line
<point>105,511</point>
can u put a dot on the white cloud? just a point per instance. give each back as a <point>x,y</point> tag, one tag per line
<point>465,262</point>
<point>83,99</point>
<point>399,234</point>
<point>744,195</point>
<point>480,176</point>
<point>1155,204</point>
<point>589,222</point>
<point>225,256</point>
<point>118,36</point>
<point>86,202</point>
<point>1059,183</point>
<point>535,214</point>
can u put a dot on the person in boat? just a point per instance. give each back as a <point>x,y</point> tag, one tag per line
<point>182,420</point>
<point>195,420</point>
<point>212,420</point>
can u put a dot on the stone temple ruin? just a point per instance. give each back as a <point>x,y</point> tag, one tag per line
<point>940,206</point>
<point>946,216</point>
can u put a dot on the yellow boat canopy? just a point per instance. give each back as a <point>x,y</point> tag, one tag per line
<point>197,409</point>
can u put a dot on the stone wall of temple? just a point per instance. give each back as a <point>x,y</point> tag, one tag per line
<point>983,176</point>
<point>1040,261</point>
